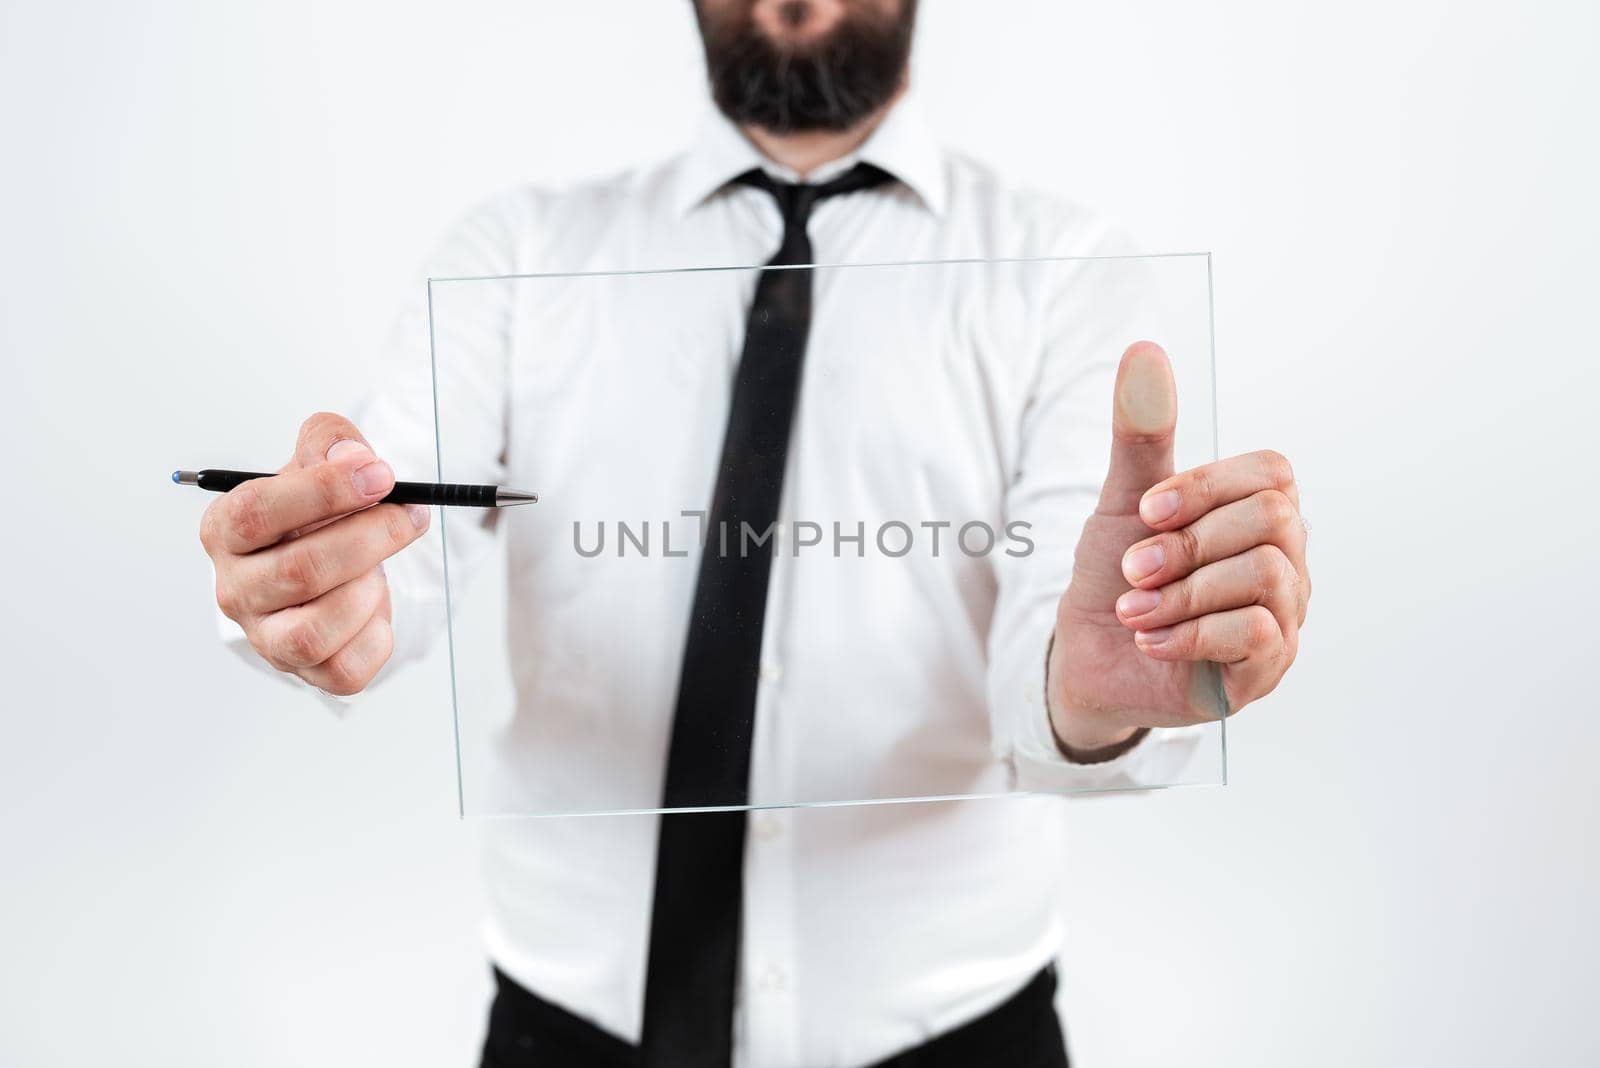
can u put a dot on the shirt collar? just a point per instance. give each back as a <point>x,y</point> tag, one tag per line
<point>902,145</point>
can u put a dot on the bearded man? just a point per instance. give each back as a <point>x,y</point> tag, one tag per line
<point>896,935</point>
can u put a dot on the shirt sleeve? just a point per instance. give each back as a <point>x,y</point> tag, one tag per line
<point>437,408</point>
<point>1085,315</point>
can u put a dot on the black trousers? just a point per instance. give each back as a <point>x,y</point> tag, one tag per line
<point>525,1031</point>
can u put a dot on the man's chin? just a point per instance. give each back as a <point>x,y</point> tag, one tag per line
<point>825,77</point>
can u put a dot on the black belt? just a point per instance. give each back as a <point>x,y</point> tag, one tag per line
<point>526,1031</point>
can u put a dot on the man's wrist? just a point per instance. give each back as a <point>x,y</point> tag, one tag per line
<point>1077,739</point>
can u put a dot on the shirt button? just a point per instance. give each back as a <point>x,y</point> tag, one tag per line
<point>768,826</point>
<point>771,671</point>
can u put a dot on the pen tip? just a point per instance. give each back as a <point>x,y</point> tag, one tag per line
<point>176,476</point>
<point>510,498</point>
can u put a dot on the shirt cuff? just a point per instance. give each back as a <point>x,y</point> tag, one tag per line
<point>1159,758</point>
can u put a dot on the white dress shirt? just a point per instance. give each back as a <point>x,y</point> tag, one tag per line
<point>869,929</point>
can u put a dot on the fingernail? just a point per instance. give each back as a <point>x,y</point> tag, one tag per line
<point>1159,507</point>
<point>347,448</point>
<point>419,515</point>
<point>1155,637</point>
<point>1143,562</point>
<point>1138,602</point>
<point>374,478</point>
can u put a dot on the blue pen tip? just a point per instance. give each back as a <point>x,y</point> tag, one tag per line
<point>175,475</point>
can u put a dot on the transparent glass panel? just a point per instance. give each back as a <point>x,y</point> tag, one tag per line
<point>951,437</point>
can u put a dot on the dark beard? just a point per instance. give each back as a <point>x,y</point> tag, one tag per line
<point>831,83</point>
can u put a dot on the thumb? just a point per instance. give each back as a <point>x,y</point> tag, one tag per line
<point>1143,416</point>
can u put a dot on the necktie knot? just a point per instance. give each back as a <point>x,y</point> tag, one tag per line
<point>796,199</point>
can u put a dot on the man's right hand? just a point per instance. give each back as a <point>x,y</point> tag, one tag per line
<point>299,557</point>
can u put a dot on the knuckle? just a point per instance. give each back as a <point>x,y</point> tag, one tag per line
<point>382,582</point>
<point>1271,568</point>
<point>263,648</point>
<point>350,669</point>
<point>374,593</point>
<point>1185,547</point>
<point>1276,467</point>
<point>208,530</point>
<point>398,529</point>
<point>334,490</point>
<point>229,599</point>
<point>1278,662</point>
<point>1202,485</point>
<point>1290,649</point>
<point>1185,636</point>
<point>317,432</point>
<point>1259,628</point>
<point>1277,509</point>
<point>317,423</point>
<point>303,643</point>
<point>1179,598</point>
<point>341,676</point>
<point>299,572</point>
<point>248,519</point>
<point>382,648</point>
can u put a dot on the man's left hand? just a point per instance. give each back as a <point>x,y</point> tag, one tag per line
<point>1188,589</point>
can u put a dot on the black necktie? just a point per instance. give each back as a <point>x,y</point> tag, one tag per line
<point>694,926</point>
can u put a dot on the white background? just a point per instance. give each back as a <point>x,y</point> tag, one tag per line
<point>208,211</point>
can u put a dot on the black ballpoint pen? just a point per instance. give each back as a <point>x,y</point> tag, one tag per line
<point>450,494</point>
